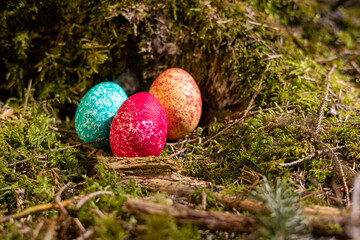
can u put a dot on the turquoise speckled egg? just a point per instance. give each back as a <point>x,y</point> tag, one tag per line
<point>96,110</point>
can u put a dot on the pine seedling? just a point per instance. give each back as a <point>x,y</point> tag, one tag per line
<point>284,220</point>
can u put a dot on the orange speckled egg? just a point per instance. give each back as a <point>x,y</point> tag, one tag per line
<point>180,97</point>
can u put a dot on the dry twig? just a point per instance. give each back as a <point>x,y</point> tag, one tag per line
<point>86,235</point>
<point>354,228</point>
<point>58,198</point>
<point>317,153</point>
<point>37,230</point>
<point>203,199</point>
<point>51,229</point>
<point>325,99</point>
<point>178,152</point>
<point>204,219</point>
<point>83,200</point>
<point>323,60</point>
<point>37,208</point>
<point>355,66</point>
<point>27,94</point>
<point>79,225</point>
<point>47,206</point>
<point>186,186</point>
<point>340,167</point>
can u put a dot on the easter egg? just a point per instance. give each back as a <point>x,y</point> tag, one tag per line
<point>96,110</point>
<point>139,127</point>
<point>180,97</point>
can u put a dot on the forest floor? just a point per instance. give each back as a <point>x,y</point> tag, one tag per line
<point>275,156</point>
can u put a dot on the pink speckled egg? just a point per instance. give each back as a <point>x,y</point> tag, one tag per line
<point>139,127</point>
<point>180,97</point>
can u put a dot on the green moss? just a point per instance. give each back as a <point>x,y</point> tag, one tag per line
<point>28,135</point>
<point>336,228</point>
<point>109,227</point>
<point>162,228</point>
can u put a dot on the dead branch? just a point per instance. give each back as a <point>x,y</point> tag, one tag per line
<point>204,219</point>
<point>186,186</point>
<point>318,218</point>
<point>174,184</point>
<point>143,165</point>
<point>183,186</point>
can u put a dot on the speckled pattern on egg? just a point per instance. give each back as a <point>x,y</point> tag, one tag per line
<point>180,97</point>
<point>139,127</point>
<point>96,110</point>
